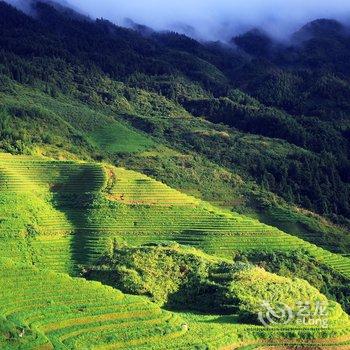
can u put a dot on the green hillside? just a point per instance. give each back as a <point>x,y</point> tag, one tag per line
<point>45,310</point>
<point>53,311</point>
<point>87,208</point>
<point>63,127</point>
<point>162,193</point>
<point>71,213</point>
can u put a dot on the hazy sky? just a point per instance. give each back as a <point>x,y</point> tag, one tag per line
<point>217,19</point>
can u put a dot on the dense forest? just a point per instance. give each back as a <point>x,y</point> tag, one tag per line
<point>297,93</point>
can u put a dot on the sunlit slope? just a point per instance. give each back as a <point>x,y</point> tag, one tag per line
<point>68,313</point>
<point>33,228</point>
<point>44,310</point>
<point>149,211</point>
<point>61,214</point>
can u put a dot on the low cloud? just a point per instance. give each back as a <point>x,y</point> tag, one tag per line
<point>214,19</point>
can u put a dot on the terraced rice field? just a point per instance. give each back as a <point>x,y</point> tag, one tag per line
<point>59,215</point>
<point>71,227</point>
<point>28,190</point>
<point>224,333</point>
<point>130,187</point>
<point>72,313</point>
<point>58,312</point>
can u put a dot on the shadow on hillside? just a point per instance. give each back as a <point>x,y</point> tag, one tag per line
<point>76,211</point>
<point>75,198</point>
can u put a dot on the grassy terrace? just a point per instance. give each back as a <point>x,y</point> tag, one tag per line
<point>28,188</point>
<point>69,313</point>
<point>48,310</point>
<point>60,214</point>
<point>244,211</point>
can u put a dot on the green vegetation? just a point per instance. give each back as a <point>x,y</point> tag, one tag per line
<point>119,139</point>
<point>194,174</point>
<point>116,206</point>
<point>197,178</point>
<point>187,279</point>
<point>68,312</point>
<point>253,286</point>
<point>113,207</point>
<point>59,124</point>
<point>178,277</point>
<point>73,313</point>
<point>294,264</point>
<point>159,77</point>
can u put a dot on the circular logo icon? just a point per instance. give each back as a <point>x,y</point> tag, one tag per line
<point>277,314</point>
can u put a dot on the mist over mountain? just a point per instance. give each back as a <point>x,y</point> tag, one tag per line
<point>24,5</point>
<point>211,19</point>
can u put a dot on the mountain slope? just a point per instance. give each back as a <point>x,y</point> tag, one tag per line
<point>171,146</point>
<point>57,56</point>
<point>55,311</point>
<point>112,205</point>
<point>116,147</point>
<point>71,313</point>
